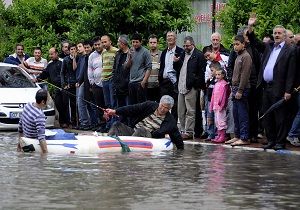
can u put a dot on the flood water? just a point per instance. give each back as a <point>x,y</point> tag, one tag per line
<point>200,177</point>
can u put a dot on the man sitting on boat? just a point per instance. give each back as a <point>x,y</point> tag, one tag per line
<point>149,119</point>
<point>33,120</point>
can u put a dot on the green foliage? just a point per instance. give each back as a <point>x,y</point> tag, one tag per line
<point>45,23</point>
<point>269,13</point>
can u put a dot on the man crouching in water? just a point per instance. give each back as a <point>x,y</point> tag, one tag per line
<point>33,120</point>
<point>149,119</point>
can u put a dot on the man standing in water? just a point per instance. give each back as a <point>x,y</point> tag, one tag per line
<point>33,120</point>
<point>150,119</point>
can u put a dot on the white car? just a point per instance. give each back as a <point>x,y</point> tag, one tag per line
<point>16,90</point>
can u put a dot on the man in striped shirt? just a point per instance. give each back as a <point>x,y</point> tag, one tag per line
<point>33,120</point>
<point>35,65</point>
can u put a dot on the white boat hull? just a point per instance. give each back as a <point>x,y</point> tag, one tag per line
<point>100,144</point>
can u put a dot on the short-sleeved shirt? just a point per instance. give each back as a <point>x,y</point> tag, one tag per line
<point>37,66</point>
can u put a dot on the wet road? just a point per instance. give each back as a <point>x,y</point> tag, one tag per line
<point>201,177</point>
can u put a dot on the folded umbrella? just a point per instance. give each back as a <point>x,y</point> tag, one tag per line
<point>277,104</point>
<point>273,107</point>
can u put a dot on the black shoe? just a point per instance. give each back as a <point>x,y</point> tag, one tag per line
<point>279,147</point>
<point>204,135</point>
<point>270,145</point>
<point>102,130</point>
<point>253,140</point>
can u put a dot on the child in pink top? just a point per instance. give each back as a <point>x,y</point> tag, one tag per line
<point>218,104</point>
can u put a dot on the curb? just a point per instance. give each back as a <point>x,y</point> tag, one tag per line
<point>285,152</point>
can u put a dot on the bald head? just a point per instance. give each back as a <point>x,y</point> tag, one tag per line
<point>53,53</point>
<point>106,42</point>
<point>290,37</point>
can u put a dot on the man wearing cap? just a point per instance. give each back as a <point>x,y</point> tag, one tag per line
<point>150,119</point>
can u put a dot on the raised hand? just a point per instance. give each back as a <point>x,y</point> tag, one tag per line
<point>252,19</point>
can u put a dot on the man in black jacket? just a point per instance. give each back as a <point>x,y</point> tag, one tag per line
<point>169,68</point>
<point>150,119</point>
<point>68,82</point>
<point>52,73</point>
<point>277,77</point>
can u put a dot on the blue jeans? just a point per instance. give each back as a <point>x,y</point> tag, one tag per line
<point>240,115</point>
<point>295,130</point>
<point>87,112</point>
<point>109,99</point>
<point>211,128</point>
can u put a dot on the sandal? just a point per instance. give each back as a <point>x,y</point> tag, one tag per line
<point>240,142</point>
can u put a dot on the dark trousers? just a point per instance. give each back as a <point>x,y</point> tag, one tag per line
<point>122,100</point>
<point>241,115</point>
<point>253,111</point>
<point>99,99</point>
<point>168,88</point>
<point>69,101</point>
<point>276,123</point>
<point>198,118</point>
<point>153,94</point>
<point>137,94</point>
<point>120,129</point>
<point>60,106</point>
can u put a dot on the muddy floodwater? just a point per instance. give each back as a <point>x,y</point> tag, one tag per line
<point>200,177</point>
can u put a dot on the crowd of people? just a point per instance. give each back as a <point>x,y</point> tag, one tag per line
<point>234,87</point>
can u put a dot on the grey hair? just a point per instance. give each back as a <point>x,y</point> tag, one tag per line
<point>216,34</point>
<point>189,38</point>
<point>166,99</point>
<point>124,39</point>
<point>172,32</point>
<point>280,26</point>
<point>242,30</point>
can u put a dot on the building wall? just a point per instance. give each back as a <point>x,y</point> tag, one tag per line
<point>7,2</point>
<point>203,28</point>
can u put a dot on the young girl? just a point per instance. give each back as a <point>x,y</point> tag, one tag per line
<point>218,104</point>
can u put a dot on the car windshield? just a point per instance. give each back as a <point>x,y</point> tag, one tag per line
<point>13,77</point>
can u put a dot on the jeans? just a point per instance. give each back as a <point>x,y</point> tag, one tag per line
<point>109,99</point>
<point>295,130</point>
<point>240,115</point>
<point>86,112</point>
<point>211,128</point>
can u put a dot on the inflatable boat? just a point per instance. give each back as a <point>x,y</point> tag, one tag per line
<point>60,142</point>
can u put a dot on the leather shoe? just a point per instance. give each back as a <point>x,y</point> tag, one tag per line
<point>279,147</point>
<point>270,145</point>
<point>186,136</point>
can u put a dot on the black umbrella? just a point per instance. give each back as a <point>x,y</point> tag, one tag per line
<point>277,104</point>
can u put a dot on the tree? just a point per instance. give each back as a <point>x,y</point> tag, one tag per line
<point>45,23</point>
<point>269,14</point>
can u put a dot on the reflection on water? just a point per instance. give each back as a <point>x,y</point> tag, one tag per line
<point>208,177</point>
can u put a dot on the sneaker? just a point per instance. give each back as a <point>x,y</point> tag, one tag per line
<point>294,141</point>
<point>241,142</point>
<point>232,140</point>
<point>260,136</point>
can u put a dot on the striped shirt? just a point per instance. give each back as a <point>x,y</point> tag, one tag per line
<point>32,122</point>
<point>36,66</point>
<point>151,123</point>
<point>95,68</point>
<point>108,58</point>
